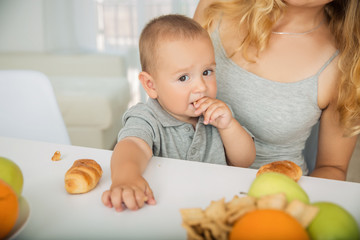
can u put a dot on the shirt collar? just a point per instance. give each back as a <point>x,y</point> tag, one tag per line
<point>164,117</point>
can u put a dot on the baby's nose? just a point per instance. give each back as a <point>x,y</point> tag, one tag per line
<point>200,85</point>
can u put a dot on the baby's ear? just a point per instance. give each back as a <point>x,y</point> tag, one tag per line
<point>148,83</point>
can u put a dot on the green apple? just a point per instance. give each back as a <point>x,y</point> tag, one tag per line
<point>11,174</point>
<point>333,222</point>
<point>272,182</point>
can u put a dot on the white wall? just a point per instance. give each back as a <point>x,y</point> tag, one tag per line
<point>47,26</point>
<point>21,26</point>
<point>70,26</point>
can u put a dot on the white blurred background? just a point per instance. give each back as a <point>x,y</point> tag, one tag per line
<point>82,26</point>
<point>89,51</point>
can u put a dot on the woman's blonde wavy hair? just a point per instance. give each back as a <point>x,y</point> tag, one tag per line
<point>258,17</point>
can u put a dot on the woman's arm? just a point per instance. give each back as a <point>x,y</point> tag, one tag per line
<point>334,150</point>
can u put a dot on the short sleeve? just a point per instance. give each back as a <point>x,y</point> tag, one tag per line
<point>137,127</point>
<point>138,122</point>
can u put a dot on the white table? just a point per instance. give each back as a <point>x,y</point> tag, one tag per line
<point>55,214</point>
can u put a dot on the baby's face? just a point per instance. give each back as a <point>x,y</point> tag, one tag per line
<point>185,73</point>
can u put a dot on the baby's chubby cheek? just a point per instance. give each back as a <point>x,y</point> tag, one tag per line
<point>212,93</point>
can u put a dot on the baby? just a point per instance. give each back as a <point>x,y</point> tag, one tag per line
<point>182,118</point>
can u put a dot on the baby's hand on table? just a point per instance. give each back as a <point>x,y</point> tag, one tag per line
<point>215,112</point>
<point>131,195</point>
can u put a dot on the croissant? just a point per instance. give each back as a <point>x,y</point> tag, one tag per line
<point>286,167</point>
<point>83,176</point>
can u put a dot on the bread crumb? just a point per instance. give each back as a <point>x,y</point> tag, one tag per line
<point>56,156</point>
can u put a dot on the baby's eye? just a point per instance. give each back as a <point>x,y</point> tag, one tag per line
<point>207,72</point>
<point>184,78</point>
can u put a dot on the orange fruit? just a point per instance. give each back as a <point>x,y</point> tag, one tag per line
<point>9,208</point>
<point>267,224</point>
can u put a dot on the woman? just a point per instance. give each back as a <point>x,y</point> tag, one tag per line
<point>285,65</point>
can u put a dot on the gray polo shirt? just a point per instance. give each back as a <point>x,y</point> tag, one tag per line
<point>169,137</point>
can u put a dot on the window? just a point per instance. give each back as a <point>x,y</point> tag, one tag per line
<point>120,21</point>
<point>119,26</point>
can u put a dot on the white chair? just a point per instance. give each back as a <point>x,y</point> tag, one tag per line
<point>28,108</point>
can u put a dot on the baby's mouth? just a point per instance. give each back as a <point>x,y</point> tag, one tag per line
<point>194,102</point>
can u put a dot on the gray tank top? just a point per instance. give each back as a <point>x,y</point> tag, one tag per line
<point>279,115</point>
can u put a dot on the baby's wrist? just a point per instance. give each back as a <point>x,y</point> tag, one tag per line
<point>125,178</point>
<point>231,125</point>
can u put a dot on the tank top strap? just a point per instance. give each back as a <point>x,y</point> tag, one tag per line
<point>219,22</point>
<point>327,62</point>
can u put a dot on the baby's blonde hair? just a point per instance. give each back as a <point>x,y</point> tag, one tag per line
<point>258,17</point>
<point>166,27</point>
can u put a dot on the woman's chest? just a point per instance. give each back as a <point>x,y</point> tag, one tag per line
<point>284,59</point>
<point>272,111</point>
